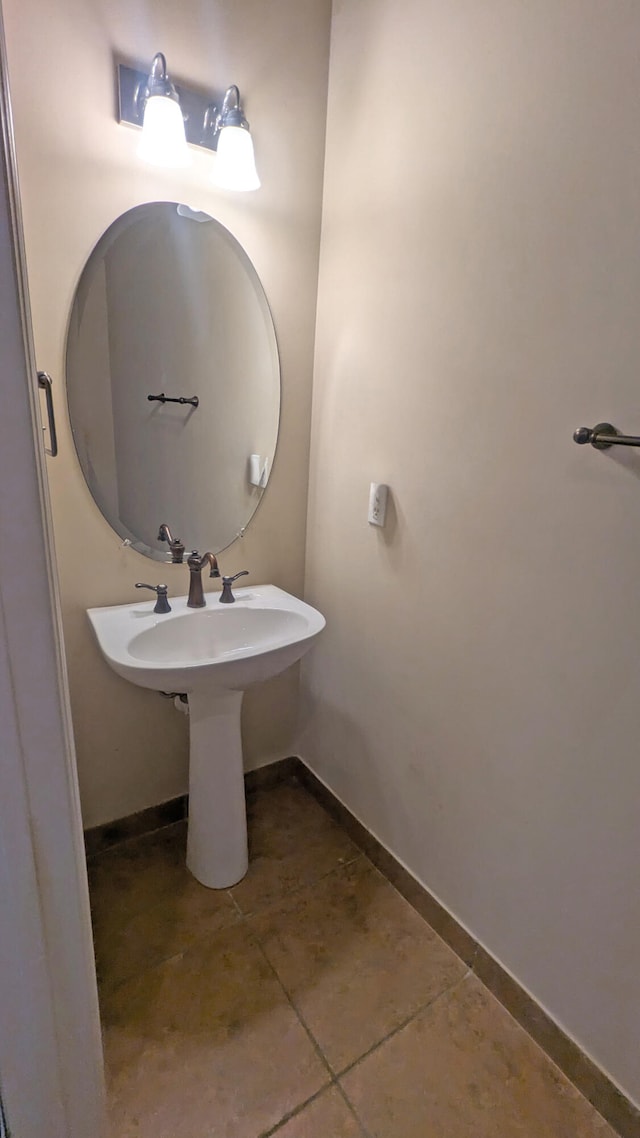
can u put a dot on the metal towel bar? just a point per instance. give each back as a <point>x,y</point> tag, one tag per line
<point>193,401</point>
<point>604,436</point>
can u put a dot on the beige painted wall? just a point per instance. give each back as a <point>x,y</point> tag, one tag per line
<point>78,171</point>
<point>476,696</point>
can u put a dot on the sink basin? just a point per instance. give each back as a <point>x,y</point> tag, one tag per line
<point>212,655</point>
<point>224,647</point>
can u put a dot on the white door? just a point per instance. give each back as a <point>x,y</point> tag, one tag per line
<point>51,1080</point>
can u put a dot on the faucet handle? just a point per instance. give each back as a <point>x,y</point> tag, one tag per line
<point>162,603</point>
<point>227,597</point>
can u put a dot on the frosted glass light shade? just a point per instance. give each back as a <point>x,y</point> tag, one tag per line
<point>163,141</point>
<point>235,167</point>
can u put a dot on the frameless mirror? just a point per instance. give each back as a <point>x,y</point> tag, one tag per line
<point>173,379</point>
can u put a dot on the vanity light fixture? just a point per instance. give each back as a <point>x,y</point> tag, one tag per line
<point>172,116</point>
<point>235,167</point>
<point>163,141</point>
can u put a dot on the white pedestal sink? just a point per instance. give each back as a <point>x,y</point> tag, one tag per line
<point>212,654</point>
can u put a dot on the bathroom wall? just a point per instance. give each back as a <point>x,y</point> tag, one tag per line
<point>78,172</point>
<point>475,699</point>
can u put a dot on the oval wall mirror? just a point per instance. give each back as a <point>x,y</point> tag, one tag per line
<point>170,308</point>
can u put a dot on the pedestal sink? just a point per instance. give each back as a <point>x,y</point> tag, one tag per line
<point>212,654</point>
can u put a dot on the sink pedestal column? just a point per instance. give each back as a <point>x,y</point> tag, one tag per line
<point>217,834</point>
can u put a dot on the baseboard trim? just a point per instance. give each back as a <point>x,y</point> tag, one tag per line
<point>97,839</point>
<point>590,1080</point>
<point>282,770</point>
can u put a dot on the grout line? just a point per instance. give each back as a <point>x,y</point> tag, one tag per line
<point>150,965</point>
<point>352,1109</point>
<point>294,1113</point>
<point>235,904</point>
<point>316,1046</point>
<point>312,1039</point>
<point>106,991</point>
<point>400,1027</point>
<point>243,918</point>
<point>335,1076</point>
<point>470,964</point>
<point>299,888</point>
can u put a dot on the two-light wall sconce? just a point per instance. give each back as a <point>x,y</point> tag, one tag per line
<point>173,116</point>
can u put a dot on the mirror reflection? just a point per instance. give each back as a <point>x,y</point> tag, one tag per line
<point>173,379</point>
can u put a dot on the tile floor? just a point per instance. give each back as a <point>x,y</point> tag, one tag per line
<point>310,1001</point>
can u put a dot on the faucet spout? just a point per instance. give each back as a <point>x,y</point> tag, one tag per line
<point>164,533</point>
<point>196,563</point>
<point>213,563</point>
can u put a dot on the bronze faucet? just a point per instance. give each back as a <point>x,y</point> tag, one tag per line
<point>175,545</point>
<point>196,564</point>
